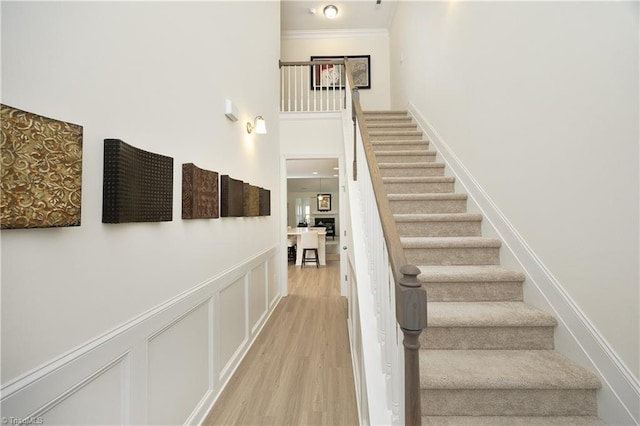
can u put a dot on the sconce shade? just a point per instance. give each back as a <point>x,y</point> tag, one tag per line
<point>259,125</point>
<point>330,11</point>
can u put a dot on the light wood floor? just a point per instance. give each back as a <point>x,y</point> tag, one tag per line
<point>298,371</point>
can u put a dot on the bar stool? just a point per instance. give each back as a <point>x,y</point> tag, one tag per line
<point>291,246</point>
<point>309,242</point>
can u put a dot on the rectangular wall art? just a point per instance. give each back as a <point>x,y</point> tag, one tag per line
<point>332,76</point>
<point>137,185</point>
<point>265,202</point>
<point>41,174</point>
<point>251,200</point>
<point>231,197</point>
<point>199,193</point>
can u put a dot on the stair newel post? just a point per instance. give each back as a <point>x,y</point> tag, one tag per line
<point>355,97</point>
<point>411,314</point>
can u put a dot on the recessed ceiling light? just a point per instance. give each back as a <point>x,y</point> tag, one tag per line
<point>335,168</point>
<point>315,173</point>
<point>330,11</point>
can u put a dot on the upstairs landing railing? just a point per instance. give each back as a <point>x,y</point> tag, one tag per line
<point>401,301</point>
<point>312,86</point>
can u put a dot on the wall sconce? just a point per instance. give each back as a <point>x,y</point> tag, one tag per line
<point>259,125</point>
<point>330,11</point>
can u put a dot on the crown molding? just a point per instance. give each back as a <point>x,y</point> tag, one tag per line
<point>307,34</point>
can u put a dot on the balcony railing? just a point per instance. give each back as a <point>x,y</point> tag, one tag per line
<point>312,86</point>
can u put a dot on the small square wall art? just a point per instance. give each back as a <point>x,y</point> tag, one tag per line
<point>137,185</point>
<point>199,193</point>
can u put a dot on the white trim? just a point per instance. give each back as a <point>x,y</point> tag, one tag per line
<point>619,398</point>
<point>318,115</point>
<point>311,34</point>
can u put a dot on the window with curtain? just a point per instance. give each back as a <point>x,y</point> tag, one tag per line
<point>303,210</point>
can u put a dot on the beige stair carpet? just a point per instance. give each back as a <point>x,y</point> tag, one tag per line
<point>486,356</point>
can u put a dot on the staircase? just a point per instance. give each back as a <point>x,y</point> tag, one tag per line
<point>486,357</point>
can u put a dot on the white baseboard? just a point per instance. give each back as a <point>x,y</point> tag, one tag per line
<point>619,398</point>
<point>134,373</point>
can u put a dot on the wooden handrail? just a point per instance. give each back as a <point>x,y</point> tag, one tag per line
<point>411,297</point>
<point>298,63</point>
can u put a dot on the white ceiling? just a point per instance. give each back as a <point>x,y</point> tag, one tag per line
<point>312,168</point>
<point>352,15</point>
<point>301,176</point>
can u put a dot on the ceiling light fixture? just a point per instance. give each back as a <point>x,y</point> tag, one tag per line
<point>330,11</point>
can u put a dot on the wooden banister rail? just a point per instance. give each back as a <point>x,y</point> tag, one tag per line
<point>411,297</point>
<point>299,63</point>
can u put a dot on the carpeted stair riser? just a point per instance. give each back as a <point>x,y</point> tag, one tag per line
<point>451,251</point>
<point>388,119</point>
<point>390,135</point>
<point>509,402</point>
<point>443,225</point>
<point>406,156</point>
<point>487,338</point>
<point>511,421</point>
<point>390,125</point>
<point>411,169</point>
<point>438,291</point>
<point>453,256</point>
<point>399,145</point>
<point>427,203</point>
<point>471,284</point>
<point>487,325</point>
<point>424,185</point>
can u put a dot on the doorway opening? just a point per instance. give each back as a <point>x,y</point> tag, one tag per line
<point>313,198</point>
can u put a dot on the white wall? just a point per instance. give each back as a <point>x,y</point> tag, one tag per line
<point>539,101</point>
<point>154,75</point>
<point>300,46</point>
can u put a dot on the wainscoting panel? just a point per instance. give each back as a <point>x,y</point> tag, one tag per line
<point>274,285</point>
<point>166,366</point>
<point>232,320</point>
<point>258,296</point>
<point>102,395</point>
<point>178,365</point>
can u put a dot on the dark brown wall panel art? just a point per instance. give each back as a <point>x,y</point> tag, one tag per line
<point>251,200</point>
<point>137,185</point>
<point>231,197</point>
<point>41,171</point>
<point>265,202</point>
<point>199,193</point>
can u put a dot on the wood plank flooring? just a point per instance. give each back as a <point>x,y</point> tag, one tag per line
<point>298,371</point>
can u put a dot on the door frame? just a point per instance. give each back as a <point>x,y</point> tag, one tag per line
<point>284,263</point>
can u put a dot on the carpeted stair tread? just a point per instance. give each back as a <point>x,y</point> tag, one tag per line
<point>407,152</point>
<point>389,125</point>
<point>375,133</point>
<point>399,142</point>
<point>487,314</point>
<point>502,369</point>
<point>385,112</point>
<point>511,421</point>
<point>418,179</point>
<point>449,242</point>
<point>423,164</point>
<point>468,273</point>
<point>426,197</point>
<point>436,217</point>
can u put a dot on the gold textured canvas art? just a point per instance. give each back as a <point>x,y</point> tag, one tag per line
<point>41,171</point>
